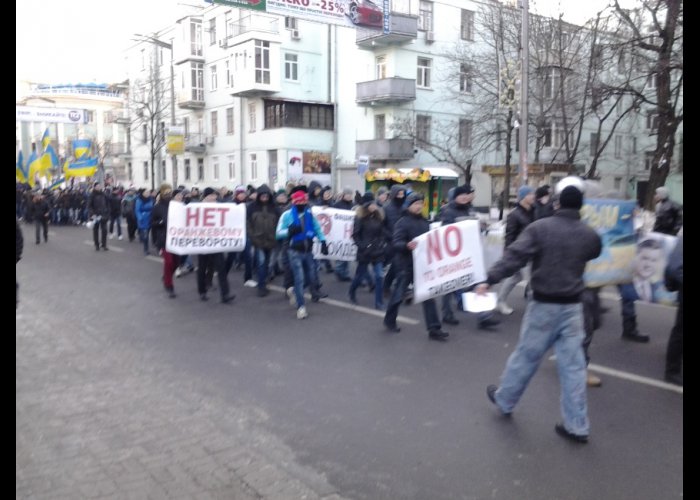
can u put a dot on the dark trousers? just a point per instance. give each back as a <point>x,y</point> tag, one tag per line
<point>674,349</point>
<point>39,223</point>
<point>102,224</point>
<point>591,317</point>
<point>430,313</point>
<point>216,262</point>
<point>131,226</point>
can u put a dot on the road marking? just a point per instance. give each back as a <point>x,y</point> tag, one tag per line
<point>631,377</point>
<point>111,248</point>
<point>346,305</point>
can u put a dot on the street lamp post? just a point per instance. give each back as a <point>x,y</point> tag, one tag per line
<point>169,46</point>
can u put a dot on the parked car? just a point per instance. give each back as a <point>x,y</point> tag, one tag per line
<point>365,12</point>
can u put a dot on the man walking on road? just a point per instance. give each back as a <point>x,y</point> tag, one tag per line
<point>559,247</point>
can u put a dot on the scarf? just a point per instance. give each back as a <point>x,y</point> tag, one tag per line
<point>308,231</point>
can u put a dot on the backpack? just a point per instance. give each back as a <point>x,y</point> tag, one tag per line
<point>263,226</point>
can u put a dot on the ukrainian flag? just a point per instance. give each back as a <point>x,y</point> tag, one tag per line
<point>57,183</point>
<point>83,167</point>
<point>45,140</point>
<point>35,166</point>
<point>81,147</point>
<point>20,173</point>
<point>49,158</point>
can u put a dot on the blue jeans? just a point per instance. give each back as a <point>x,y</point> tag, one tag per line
<point>143,236</point>
<point>546,325</point>
<point>342,269</point>
<point>262,260</point>
<point>362,272</point>
<point>303,266</point>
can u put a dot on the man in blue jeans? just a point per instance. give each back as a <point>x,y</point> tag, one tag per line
<point>559,247</point>
<point>300,227</point>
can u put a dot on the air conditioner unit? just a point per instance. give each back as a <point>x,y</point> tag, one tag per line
<point>430,36</point>
<point>296,35</point>
<point>223,43</point>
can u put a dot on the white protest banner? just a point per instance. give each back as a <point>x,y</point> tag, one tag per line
<point>200,228</point>
<point>337,226</point>
<point>446,259</point>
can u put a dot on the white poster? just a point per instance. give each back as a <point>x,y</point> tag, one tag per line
<point>446,259</point>
<point>200,228</point>
<point>337,226</point>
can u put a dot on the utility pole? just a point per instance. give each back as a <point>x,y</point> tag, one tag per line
<point>524,73</point>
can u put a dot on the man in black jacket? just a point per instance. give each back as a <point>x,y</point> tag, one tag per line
<point>669,214</point>
<point>517,220</point>
<point>559,248</point>
<point>41,211</point>
<point>393,209</point>
<point>407,228</point>
<point>98,209</point>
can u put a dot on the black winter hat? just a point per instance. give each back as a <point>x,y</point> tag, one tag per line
<point>571,197</point>
<point>541,192</point>
<point>207,192</point>
<point>414,197</point>
<point>367,198</point>
<point>464,189</point>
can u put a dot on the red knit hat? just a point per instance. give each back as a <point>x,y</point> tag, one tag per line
<point>299,197</point>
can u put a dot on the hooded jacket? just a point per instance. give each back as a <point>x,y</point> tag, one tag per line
<point>262,220</point>
<point>371,235</point>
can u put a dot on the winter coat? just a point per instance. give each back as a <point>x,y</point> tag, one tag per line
<point>98,204</point>
<point>393,209</point>
<point>371,235</point>
<point>669,217</point>
<point>314,200</point>
<point>543,210</point>
<point>406,229</point>
<point>143,209</point>
<point>262,220</point>
<point>159,223</point>
<point>559,247</point>
<point>454,212</point>
<point>516,221</point>
<point>128,205</point>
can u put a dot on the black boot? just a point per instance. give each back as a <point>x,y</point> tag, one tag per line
<point>629,331</point>
<point>352,295</point>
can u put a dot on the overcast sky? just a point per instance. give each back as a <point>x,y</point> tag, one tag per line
<point>76,41</point>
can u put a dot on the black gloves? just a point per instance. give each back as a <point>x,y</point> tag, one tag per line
<point>324,248</point>
<point>294,229</point>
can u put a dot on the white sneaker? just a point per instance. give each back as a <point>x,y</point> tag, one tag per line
<point>178,272</point>
<point>504,308</point>
<point>251,283</point>
<point>111,236</point>
<point>292,298</point>
<point>301,313</point>
<point>120,238</point>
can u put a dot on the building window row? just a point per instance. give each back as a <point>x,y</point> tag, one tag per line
<point>298,115</point>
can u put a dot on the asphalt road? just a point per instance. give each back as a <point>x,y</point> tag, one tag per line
<point>124,393</point>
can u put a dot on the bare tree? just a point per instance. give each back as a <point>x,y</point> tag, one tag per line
<point>148,101</point>
<point>655,41</point>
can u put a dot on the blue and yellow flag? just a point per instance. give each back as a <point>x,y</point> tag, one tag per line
<point>82,167</point>
<point>57,183</point>
<point>34,166</point>
<point>81,147</point>
<point>45,140</point>
<point>49,158</point>
<point>20,172</point>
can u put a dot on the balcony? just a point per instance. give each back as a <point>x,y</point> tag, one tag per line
<point>386,91</point>
<point>385,149</point>
<point>196,143</point>
<point>191,99</point>
<point>403,28</point>
<point>116,149</point>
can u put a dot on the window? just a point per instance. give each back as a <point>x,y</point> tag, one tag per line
<point>163,170</point>
<point>160,56</point>
<point>423,76</point>
<point>652,81</point>
<point>552,82</point>
<point>197,81</point>
<point>422,129</point>
<point>621,62</point>
<point>251,117</point>
<point>196,37</point>
<point>298,115</point>
<point>214,123</point>
<point>290,23</point>
<point>214,78</point>
<point>546,134</point>
<point>465,79</point>
<point>291,71</point>
<point>145,170</point>
<point>465,134</point>
<point>186,125</point>
<point>618,146</point>
<point>467,28</point>
<point>230,26</point>
<point>425,15</point>
<point>188,172</point>
<point>200,169</point>
<point>652,121</point>
<point>253,166</point>
<point>212,31</point>
<point>598,57</point>
<point>215,162</point>
<point>90,116</point>
<point>634,145</point>
<point>229,82</point>
<point>262,61</point>
<point>229,121</point>
<point>380,63</point>
<point>379,126</point>
<point>648,160</point>
<point>145,134</point>
<point>130,168</point>
<point>231,167</point>
<point>594,143</point>
<point>617,182</point>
